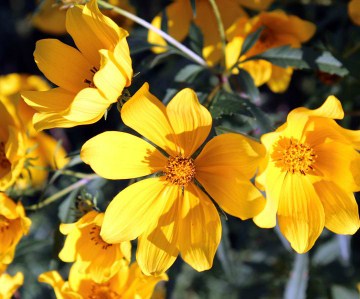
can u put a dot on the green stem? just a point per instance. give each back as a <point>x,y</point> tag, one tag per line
<point>221,31</point>
<point>164,35</point>
<point>63,192</point>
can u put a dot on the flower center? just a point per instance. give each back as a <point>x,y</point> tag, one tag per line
<point>266,39</point>
<point>102,291</point>
<point>5,164</point>
<point>292,156</point>
<point>4,223</point>
<point>96,238</point>
<point>90,82</point>
<point>180,171</point>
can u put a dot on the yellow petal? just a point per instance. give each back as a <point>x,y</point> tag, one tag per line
<point>179,14</point>
<point>256,4</point>
<point>236,196</point>
<point>259,70</point>
<point>190,120</point>
<point>280,79</point>
<point>124,63</point>
<point>118,155</point>
<point>87,105</point>
<point>9,284</point>
<point>354,11</point>
<point>53,100</point>
<point>46,120</point>
<point>61,64</point>
<point>273,178</point>
<point>301,214</point>
<point>339,163</point>
<point>200,229</point>
<point>231,151</point>
<point>157,248</point>
<point>147,115</point>
<point>136,208</point>
<point>109,79</point>
<point>341,209</point>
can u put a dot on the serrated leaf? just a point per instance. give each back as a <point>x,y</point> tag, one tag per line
<point>247,85</point>
<point>188,72</point>
<point>303,58</point>
<point>339,292</point>
<point>250,40</point>
<point>193,6</point>
<point>196,39</point>
<point>297,284</point>
<point>326,253</point>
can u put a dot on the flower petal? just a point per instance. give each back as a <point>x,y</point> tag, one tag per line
<point>260,70</point>
<point>157,248</point>
<point>147,115</point>
<point>236,196</point>
<point>136,208</point>
<point>341,209</point>
<point>53,100</point>
<point>231,151</point>
<point>190,120</point>
<point>280,78</point>
<point>300,214</point>
<point>118,155</point>
<point>61,64</point>
<point>200,229</point>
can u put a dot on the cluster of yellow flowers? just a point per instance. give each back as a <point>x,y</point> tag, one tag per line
<point>305,173</point>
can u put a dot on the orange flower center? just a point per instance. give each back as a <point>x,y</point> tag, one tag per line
<point>96,238</point>
<point>180,171</point>
<point>4,223</point>
<point>5,164</point>
<point>292,156</point>
<point>90,82</point>
<point>102,291</point>
<point>266,39</point>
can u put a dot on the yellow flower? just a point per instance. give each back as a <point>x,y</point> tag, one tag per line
<point>85,246</point>
<point>280,29</point>
<point>169,212</point>
<point>128,283</point>
<point>13,225</point>
<point>51,14</point>
<point>42,150</point>
<point>9,284</point>
<point>312,169</point>
<point>90,79</point>
<point>12,144</point>
<point>354,11</point>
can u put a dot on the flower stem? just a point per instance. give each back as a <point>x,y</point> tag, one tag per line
<point>164,35</point>
<point>221,30</point>
<point>63,192</point>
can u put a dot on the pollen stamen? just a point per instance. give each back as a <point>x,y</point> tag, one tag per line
<point>180,171</point>
<point>292,156</point>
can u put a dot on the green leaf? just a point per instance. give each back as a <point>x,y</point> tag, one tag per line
<point>250,40</point>
<point>188,73</point>
<point>193,6</point>
<point>247,85</point>
<point>339,292</point>
<point>303,58</point>
<point>196,39</point>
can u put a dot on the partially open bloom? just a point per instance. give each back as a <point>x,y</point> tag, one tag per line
<point>13,225</point>
<point>180,15</point>
<point>12,144</point>
<point>354,11</point>
<point>128,283</point>
<point>169,212</point>
<point>84,245</point>
<point>9,284</point>
<point>90,78</point>
<point>42,150</point>
<point>311,170</point>
<point>280,29</point>
<point>51,14</point>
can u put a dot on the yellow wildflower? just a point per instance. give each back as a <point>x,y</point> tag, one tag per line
<point>9,284</point>
<point>280,29</point>
<point>51,14</point>
<point>13,225</point>
<point>354,11</point>
<point>170,213</point>
<point>42,150</point>
<point>84,245</point>
<point>312,169</point>
<point>128,283</point>
<point>90,79</point>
